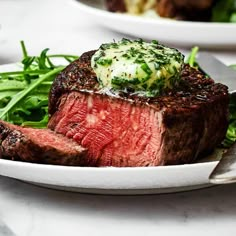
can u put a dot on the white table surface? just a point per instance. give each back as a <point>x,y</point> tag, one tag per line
<point>30,210</point>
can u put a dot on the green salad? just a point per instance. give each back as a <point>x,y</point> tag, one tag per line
<point>24,92</point>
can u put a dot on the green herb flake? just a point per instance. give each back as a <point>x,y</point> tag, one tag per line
<point>104,61</point>
<point>146,68</point>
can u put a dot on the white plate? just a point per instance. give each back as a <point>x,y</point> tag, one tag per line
<point>181,33</point>
<point>111,180</point>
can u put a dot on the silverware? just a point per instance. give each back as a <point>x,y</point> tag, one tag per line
<point>5,230</point>
<point>225,171</point>
<point>217,70</point>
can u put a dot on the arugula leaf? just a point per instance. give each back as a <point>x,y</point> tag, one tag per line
<point>191,59</point>
<point>231,132</point>
<point>24,93</point>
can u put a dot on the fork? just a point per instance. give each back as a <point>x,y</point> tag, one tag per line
<point>5,230</point>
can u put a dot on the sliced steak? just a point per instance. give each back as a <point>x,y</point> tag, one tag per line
<point>39,146</point>
<point>129,130</point>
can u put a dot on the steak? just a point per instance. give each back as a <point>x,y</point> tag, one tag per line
<point>39,146</point>
<point>129,130</point>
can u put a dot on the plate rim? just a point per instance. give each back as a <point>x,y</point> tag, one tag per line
<point>106,168</point>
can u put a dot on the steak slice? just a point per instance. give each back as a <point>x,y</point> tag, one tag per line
<point>39,146</point>
<point>129,130</point>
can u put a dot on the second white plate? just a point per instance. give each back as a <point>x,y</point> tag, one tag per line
<point>181,33</point>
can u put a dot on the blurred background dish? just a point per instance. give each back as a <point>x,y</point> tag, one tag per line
<point>188,10</point>
<point>170,31</point>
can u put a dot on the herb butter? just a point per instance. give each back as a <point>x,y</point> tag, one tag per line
<point>143,68</point>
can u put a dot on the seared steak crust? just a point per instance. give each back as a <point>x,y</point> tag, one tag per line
<point>39,146</point>
<point>81,76</point>
<point>129,130</point>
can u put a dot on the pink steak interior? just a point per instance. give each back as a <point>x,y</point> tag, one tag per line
<point>116,132</point>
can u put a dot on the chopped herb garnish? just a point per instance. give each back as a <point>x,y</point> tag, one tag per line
<point>137,65</point>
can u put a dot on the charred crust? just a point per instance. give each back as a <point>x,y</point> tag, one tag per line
<point>3,132</point>
<point>78,75</point>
